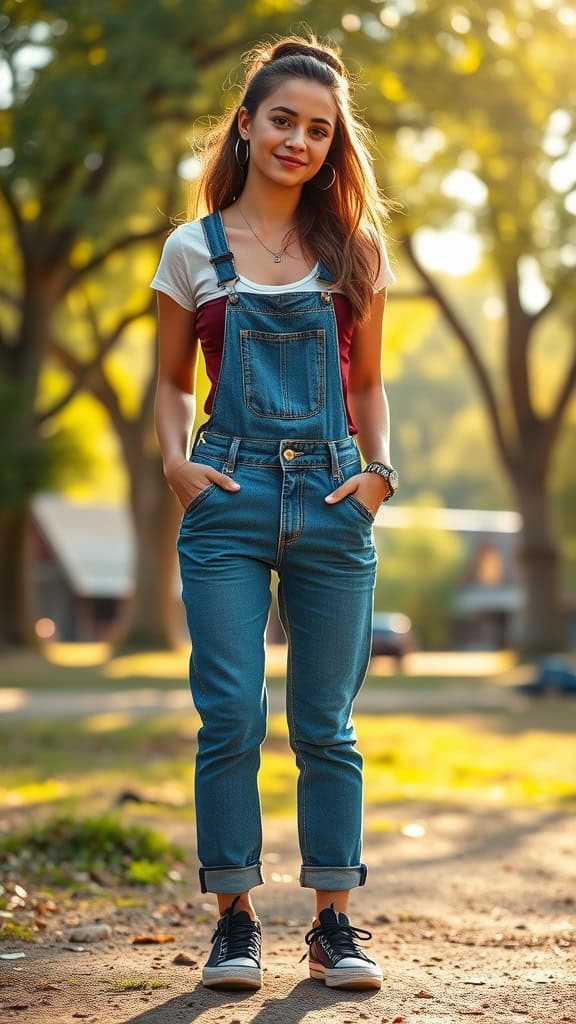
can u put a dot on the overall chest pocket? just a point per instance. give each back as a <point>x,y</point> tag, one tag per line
<point>284,375</point>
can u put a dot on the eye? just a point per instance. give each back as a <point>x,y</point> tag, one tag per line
<point>321,133</point>
<point>280,120</point>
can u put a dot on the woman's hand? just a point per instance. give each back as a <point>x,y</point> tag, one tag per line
<point>189,479</point>
<point>369,488</point>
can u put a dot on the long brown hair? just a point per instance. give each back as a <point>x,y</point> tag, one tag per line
<point>338,225</point>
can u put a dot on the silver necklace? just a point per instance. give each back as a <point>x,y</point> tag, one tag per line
<point>277,255</point>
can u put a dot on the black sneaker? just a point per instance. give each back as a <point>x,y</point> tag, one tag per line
<point>336,958</point>
<point>235,958</point>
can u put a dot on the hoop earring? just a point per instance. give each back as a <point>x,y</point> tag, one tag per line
<point>324,188</point>
<point>247,144</point>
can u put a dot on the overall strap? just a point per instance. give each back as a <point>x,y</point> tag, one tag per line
<point>323,274</point>
<point>220,256</point>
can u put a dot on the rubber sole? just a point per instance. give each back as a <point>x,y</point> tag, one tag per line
<point>232,977</point>
<point>347,977</point>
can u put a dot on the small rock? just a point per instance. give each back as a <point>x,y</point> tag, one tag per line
<point>91,933</point>
<point>186,959</point>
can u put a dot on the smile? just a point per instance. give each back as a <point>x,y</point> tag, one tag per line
<point>289,161</point>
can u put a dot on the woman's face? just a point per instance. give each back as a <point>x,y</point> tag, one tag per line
<point>291,132</point>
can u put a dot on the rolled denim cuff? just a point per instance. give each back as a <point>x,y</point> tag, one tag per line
<point>316,877</point>
<point>231,879</point>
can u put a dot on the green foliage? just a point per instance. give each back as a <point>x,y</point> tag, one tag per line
<point>417,572</point>
<point>10,930</point>
<point>64,847</point>
<point>29,463</point>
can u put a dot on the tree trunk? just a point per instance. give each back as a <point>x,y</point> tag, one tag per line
<point>16,625</point>
<point>153,614</point>
<point>543,625</point>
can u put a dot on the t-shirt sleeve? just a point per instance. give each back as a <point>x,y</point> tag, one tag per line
<point>385,275</point>
<point>171,275</point>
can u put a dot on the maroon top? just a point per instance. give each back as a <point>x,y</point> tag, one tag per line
<point>210,317</point>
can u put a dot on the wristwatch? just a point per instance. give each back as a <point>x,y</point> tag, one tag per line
<point>388,472</point>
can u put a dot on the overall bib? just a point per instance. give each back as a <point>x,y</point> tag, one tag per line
<point>278,426</point>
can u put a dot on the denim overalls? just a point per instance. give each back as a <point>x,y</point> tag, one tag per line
<point>278,426</point>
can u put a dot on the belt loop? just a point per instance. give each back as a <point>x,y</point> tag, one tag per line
<point>230,464</point>
<point>334,464</point>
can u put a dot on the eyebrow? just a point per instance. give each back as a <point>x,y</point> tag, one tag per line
<point>293,113</point>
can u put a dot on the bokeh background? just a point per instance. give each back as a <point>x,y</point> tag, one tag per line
<point>103,107</point>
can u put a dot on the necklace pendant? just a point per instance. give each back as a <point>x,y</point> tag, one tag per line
<point>277,257</point>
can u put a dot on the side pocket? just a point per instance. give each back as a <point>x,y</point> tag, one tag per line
<point>362,509</point>
<point>198,499</point>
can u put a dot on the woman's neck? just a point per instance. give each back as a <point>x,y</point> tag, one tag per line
<point>266,204</point>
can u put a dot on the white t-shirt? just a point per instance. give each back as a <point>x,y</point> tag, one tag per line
<point>186,275</point>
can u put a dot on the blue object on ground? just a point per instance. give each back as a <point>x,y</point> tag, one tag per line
<point>554,676</point>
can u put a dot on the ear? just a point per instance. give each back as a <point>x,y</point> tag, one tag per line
<point>243,123</point>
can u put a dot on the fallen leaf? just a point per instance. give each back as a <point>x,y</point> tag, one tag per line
<point>473,981</point>
<point>149,939</point>
<point>423,994</point>
<point>11,956</point>
<point>398,1020</point>
<point>48,987</point>
<point>19,1006</point>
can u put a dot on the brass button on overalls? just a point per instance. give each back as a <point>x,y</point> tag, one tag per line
<point>288,454</point>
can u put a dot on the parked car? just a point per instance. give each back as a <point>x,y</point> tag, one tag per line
<point>392,635</point>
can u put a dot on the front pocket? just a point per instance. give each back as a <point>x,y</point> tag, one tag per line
<point>199,498</point>
<point>360,507</point>
<point>284,375</point>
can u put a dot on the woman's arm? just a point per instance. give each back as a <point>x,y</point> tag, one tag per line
<point>175,402</point>
<point>368,406</point>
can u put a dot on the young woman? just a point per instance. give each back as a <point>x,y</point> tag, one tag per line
<point>284,285</point>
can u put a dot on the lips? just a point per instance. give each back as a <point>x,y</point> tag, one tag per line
<point>289,162</point>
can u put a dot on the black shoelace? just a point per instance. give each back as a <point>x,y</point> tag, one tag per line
<point>239,938</point>
<point>342,939</point>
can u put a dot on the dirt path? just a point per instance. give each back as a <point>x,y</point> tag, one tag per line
<point>475,919</point>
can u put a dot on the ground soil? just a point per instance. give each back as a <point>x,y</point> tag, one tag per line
<point>473,919</point>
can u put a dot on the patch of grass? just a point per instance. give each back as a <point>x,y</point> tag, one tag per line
<point>11,930</point>
<point>137,984</point>
<point>63,847</point>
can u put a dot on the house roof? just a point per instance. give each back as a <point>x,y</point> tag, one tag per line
<point>93,543</point>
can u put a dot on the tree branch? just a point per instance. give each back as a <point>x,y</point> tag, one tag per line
<point>121,243</point>
<point>16,218</point>
<point>519,327</point>
<point>554,422</point>
<point>465,339</point>
<point>85,372</point>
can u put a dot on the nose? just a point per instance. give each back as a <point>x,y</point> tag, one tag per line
<point>296,138</point>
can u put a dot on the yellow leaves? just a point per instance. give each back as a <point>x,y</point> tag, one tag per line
<point>81,253</point>
<point>469,56</point>
<point>507,226</point>
<point>391,87</point>
<point>97,55</point>
<point>91,32</point>
<point>30,209</point>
